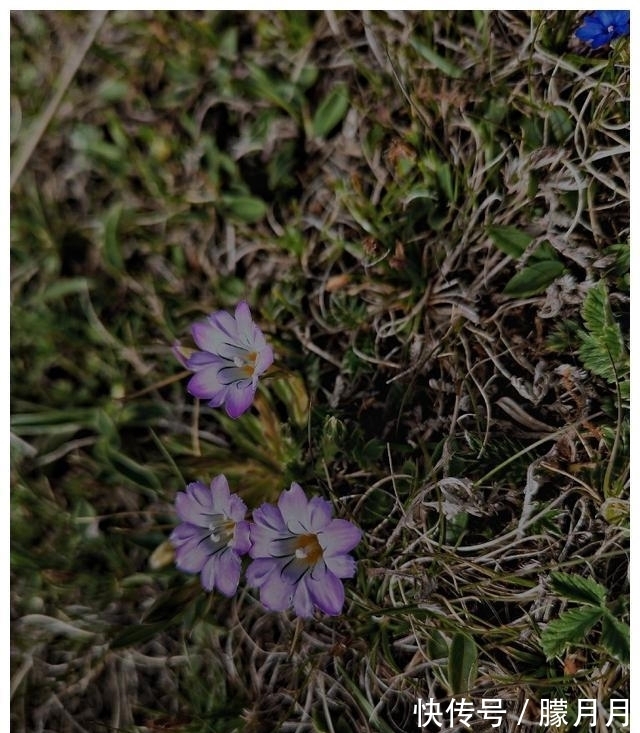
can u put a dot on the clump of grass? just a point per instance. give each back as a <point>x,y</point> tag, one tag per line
<point>425,210</point>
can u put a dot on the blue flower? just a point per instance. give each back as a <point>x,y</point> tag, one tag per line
<point>604,26</point>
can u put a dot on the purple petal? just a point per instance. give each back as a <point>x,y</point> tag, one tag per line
<point>259,570</point>
<point>264,541</point>
<point>339,537</point>
<point>342,566</point>
<point>206,384</point>
<point>243,319</point>
<point>220,495</point>
<point>302,601</point>
<point>294,506</point>
<point>320,513</point>
<point>270,517</point>
<point>193,554</point>
<point>184,532</point>
<point>241,542</point>
<point>223,572</point>
<point>200,359</point>
<point>207,337</point>
<point>236,508</point>
<point>327,593</point>
<point>194,505</point>
<point>226,323</point>
<point>264,359</point>
<point>239,399</point>
<point>275,594</point>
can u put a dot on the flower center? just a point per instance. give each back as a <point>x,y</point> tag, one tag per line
<point>248,363</point>
<point>308,548</point>
<point>221,529</point>
<point>610,29</point>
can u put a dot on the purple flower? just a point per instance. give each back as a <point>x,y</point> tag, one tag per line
<point>213,534</point>
<point>604,26</point>
<point>234,354</point>
<point>300,554</point>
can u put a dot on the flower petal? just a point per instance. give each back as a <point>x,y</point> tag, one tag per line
<point>339,537</point>
<point>193,554</point>
<point>206,384</point>
<point>244,324</point>
<point>275,594</point>
<point>241,542</point>
<point>220,495</point>
<point>264,359</point>
<point>270,517</point>
<point>342,566</point>
<point>302,601</point>
<point>208,336</point>
<point>184,532</point>
<point>327,593</point>
<point>320,513</point>
<point>236,508</point>
<point>200,359</point>
<point>194,504</point>
<point>239,398</point>
<point>226,323</point>
<point>227,572</point>
<point>259,570</point>
<point>265,542</point>
<point>294,506</point>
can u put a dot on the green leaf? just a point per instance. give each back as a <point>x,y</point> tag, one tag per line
<point>616,637</point>
<point>112,253</point>
<point>447,67</point>
<point>510,240</point>
<point>246,208</point>
<point>602,349</point>
<point>130,469</point>
<point>137,634</point>
<point>576,588</point>
<point>562,125</point>
<point>172,602</point>
<point>572,627</point>
<point>534,279</point>
<point>463,664</point>
<point>63,287</point>
<point>596,310</point>
<point>331,111</point>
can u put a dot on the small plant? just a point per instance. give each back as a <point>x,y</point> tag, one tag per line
<point>573,627</point>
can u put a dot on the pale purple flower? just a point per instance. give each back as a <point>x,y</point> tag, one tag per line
<point>213,534</point>
<point>234,353</point>
<point>300,554</point>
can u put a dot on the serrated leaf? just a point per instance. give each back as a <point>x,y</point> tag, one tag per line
<point>463,664</point>
<point>510,240</point>
<point>571,628</point>
<point>331,111</point>
<point>534,279</point>
<point>579,589</point>
<point>602,349</point>
<point>616,638</point>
